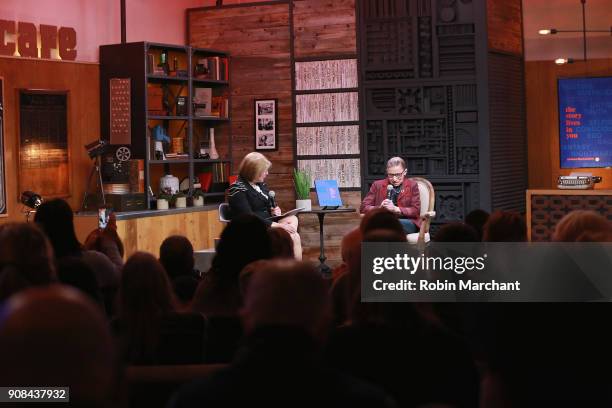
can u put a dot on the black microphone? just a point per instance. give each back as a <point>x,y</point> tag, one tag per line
<point>389,190</point>
<point>271,195</point>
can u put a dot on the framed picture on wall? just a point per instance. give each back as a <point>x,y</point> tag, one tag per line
<point>266,124</point>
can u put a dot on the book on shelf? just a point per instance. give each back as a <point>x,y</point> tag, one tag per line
<point>202,102</point>
<point>220,106</point>
<point>171,156</point>
<point>213,68</point>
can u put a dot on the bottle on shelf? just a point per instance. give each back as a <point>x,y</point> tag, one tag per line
<point>163,62</point>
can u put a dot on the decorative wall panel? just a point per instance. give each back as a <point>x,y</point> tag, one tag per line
<point>346,171</point>
<point>328,74</point>
<point>327,107</point>
<point>420,84</point>
<point>326,123</point>
<point>327,140</point>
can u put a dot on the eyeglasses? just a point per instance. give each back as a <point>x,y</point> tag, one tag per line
<point>396,175</point>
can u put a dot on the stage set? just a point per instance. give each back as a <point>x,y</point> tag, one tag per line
<point>152,154</point>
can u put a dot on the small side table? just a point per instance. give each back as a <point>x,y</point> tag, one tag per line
<point>323,267</point>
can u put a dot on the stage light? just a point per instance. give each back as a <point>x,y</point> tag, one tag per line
<point>31,199</point>
<point>563,61</point>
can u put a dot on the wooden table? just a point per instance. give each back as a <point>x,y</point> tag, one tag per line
<point>323,267</point>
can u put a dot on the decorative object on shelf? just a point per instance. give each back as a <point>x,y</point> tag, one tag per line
<point>181,105</point>
<point>160,136</point>
<point>584,31</point>
<point>198,198</point>
<point>214,155</point>
<point>205,181</point>
<point>163,200</point>
<point>120,113</point>
<point>302,182</point>
<point>177,145</point>
<point>266,127</point>
<point>163,62</point>
<point>180,200</point>
<point>214,68</point>
<point>169,183</point>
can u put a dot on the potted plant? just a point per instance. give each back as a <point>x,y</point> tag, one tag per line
<point>163,200</point>
<point>302,182</point>
<point>180,200</point>
<point>198,198</point>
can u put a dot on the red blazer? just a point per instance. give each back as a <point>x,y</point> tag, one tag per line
<point>408,201</point>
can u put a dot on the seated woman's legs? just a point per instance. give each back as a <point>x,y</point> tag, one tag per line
<point>295,237</point>
<point>409,226</point>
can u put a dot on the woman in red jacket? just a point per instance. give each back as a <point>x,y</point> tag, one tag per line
<point>397,194</point>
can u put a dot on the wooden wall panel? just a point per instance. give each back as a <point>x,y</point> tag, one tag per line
<point>505,25</point>
<point>324,27</point>
<point>81,80</point>
<point>543,119</point>
<point>258,40</point>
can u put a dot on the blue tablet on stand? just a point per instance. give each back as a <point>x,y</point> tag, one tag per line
<point>328,194</point>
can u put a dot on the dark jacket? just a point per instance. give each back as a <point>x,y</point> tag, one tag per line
<point>244,199</point>
<point>408,201</point>
<point>280,367</point>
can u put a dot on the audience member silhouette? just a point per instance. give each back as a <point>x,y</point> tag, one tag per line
<point>244,240</point>
<point>583,226</point>
<point>477,219</point>
<point>55,217</point>
<point>57,337</point>
<point>286,314</point>
<point>546,355</point>
<point>176,255</point>
<point>76,273</point>
<point>380,341</point>
<point>145,297</point>
<point>380,218</point>
<point>456,232</point>
<point>281,243</point>
<point>505,226</point>
<point>347,276</point>
<point>26,258</point>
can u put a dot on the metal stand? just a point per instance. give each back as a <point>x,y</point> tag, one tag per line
<point>95,169</point>
<point>324,269</point>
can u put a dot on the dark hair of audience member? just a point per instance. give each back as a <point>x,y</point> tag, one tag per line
<point>56,220</point>
<point>176,255</point>
<point>26,258</point>
<point>288,293</point>
<point>380,218</point>
<point>56,336</point>
<point>477,219</point>
<point>456,232</point>
<point>244,240</point>
<point>505,226</point>
<point>382,313</point>
<point>281,243</point>
<point>583,226</point>
<point>145,296</point>
<point>76,273</point>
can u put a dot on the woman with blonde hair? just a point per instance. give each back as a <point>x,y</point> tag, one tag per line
<point>250,195</point>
